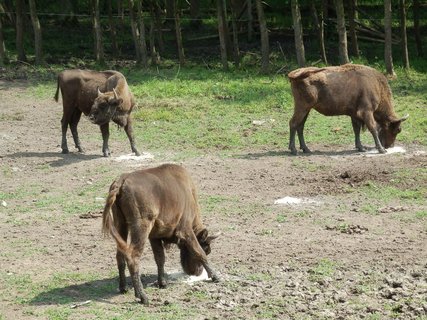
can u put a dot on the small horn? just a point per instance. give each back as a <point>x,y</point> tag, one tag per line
<point>404,118</point>
<point>213,237</point>
<point>115,94</point>
<point>99,92</point>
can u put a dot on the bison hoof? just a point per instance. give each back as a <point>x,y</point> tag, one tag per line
<point>65,151</point>
<point>137,153</point>
<point>144,300</point>
<point>306,150</point>
<point>294,151</point>
<point>382,150</point>
<point>162,284</point>
<point>361,149</point>
<point>80,149</point>
<point>215,279</point>
<point>107,154</point>
<point>123,290</point>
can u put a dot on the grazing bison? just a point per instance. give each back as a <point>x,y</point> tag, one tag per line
<point>358,91</point>
<point>160,205</point>
<point>102,96</point>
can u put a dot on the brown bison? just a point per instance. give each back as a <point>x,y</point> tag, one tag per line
<point>102,96</point>
<point>358,91</point>
<point>160,205</point>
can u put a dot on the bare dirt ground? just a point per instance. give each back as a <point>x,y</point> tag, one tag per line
<point>355,249</point>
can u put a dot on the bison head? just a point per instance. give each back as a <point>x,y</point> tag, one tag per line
<point>104,107</point>
<point>388,132</point>
<point>190,264</point>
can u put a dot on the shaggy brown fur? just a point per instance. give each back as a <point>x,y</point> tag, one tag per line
<point>355,90</point>
<point>159,205</point>
<point>102,96</point>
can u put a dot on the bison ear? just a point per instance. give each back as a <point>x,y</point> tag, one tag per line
<point>202,236</point>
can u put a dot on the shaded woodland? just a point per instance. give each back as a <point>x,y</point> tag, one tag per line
<point>230,32</point>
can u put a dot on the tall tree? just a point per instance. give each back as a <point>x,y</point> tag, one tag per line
<point>3,57</point>
<point>265,46</point>
<point>142,36</point>
<point>141,59</point>
<point>99,49</point>
<point>342,32</point>
<point>388,57</point>
<point>418,42</point>
<point>195,21</point>
<point>37,32</point>
<point>222,33</point>
<point>319,26</point>
<point>113,31</point>
<point>404,36</point>
<point>236,52</point>
<point>352,24</point>
<point>250,20</point>
<point>178,33</point>
<point>20,30</point>
<point>158,24</point>
<point>299,42</point>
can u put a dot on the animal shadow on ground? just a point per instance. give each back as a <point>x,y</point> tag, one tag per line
<point>96,290</point>
<point>254,156</point>
<point>64,159</point>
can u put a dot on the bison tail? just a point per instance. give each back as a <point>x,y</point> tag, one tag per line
<point>57,91</point>
<point>108,226</point>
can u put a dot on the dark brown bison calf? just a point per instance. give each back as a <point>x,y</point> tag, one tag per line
<point>100,95</point>
<point>159,205</point>
<point>358,91</point>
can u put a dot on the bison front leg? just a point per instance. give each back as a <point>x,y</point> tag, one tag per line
<point>73,126</point>
<point>129,132</point>
<point>371,124</point>
<point>159,256</point>
<point>198,254</point>
<point>105,130</point>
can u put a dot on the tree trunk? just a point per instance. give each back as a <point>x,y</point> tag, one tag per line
<point>236,52</point>
<point>265,48</point>
<point>153,51</point>
<point>113,31</point>
<point>178,33</point>
<point>404,36</point>
<point>3,57</point>
<point>298,33</point>
<point>250,21</point>
<point>158,23</point>
<point>417,28</point>
<point>20,30</point>
<point>170,11</point>
<point>37,33</point>
<point>135,33</point>
<point>342,32</point>
<point>142,36</point>
<point>99,50</point>
<point>318,25</point>
<point>388,56</point>
<point>195,22</point>
<point>221,33</point>
<point>352,22</point>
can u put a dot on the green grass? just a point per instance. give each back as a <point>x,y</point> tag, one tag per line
<point>324,268</point>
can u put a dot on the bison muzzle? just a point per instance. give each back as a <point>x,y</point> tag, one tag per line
<point>160,205</point>
<point>103,96</point>
<point>358,91</point>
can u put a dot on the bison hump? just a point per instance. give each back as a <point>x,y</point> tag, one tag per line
<point>302,73</point>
